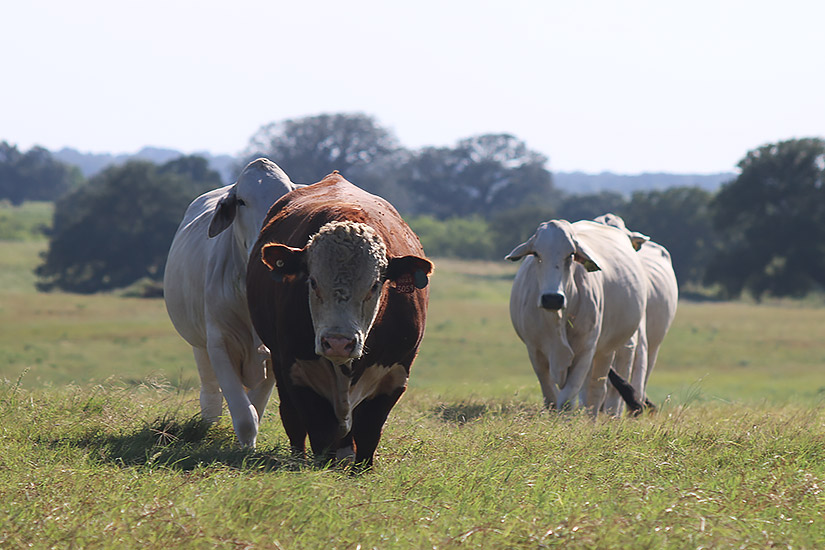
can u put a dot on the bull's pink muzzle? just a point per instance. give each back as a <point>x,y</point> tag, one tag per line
<point>339,347</point>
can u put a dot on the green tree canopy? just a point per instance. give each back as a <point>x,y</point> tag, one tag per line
<point>117,229</point>
<point>482,175</point>
<point>773,216</point>
<point>679,219</point>
<point>310,148</point>
<point>34,175</point>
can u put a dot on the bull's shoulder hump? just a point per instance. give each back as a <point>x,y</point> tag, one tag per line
<point>300,213</point>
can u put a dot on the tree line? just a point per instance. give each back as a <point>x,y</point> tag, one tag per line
<point>761,233</point>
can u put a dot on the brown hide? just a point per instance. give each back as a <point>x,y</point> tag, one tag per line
<point>280,313</point>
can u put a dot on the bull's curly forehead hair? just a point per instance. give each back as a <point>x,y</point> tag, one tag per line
<point>347,239</point>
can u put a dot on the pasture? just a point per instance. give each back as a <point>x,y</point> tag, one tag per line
<point>101,446</point>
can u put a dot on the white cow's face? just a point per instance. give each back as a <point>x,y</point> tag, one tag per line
<point>555,249</point>
<point>245,207</point>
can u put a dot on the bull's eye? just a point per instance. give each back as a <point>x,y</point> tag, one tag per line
<point>375,287</point>
<point>241,202</point>
<point>313,284</point>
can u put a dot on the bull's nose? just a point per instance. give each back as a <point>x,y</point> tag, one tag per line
<point>337,346</point>
<point>552,301</point>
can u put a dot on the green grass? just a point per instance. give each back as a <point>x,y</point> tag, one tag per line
<point>102,447</point>
<point>106,467</point>
<point>25,222</point>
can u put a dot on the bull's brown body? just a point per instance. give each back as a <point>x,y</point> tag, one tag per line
<point>281,315</point>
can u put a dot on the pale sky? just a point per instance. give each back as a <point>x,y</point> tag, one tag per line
<point>627,86</point>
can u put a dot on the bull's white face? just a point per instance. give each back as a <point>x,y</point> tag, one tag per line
<point>554,249</point>
<point>346,262</point>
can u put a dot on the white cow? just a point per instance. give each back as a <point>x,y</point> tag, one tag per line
<point>662,299</point>
<point>578,297</point>
<point>205,290</point>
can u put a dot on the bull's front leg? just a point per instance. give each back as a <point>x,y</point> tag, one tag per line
<point>320,422</point>
<point>368,422</point>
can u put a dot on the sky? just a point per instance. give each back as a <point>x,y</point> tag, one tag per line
<point>627,86</point>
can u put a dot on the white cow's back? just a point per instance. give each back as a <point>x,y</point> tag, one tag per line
<point>186,267</point>
<point>624,282</point>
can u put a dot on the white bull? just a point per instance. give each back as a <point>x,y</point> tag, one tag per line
<point>662,299</point>
<point>205,290</point>
<point>577,298</point>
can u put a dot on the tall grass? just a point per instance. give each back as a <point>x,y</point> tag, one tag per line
<point>107,467</point>
<point>102,446</point>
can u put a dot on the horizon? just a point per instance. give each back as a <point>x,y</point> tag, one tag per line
<point>213,155</point>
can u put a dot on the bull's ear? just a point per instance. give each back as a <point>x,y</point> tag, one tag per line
<point>224,214</point>
<point>409,272</point>
<point>520,251</point>
<point>586,258</point>
<point>285,262</point>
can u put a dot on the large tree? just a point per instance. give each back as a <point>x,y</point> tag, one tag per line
<point>482,175</point>
<point>34,175</point>
<point>117,228</point>
<point>310,148</point>
<point>773,217</point>
<point>679,219</point>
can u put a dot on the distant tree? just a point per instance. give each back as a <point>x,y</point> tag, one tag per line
<point>514,226</point>
<point>467,238</point>
<point>117,228</point>
<point>679,219</point>
<point>482,175</point>
<point>586,207</point>
<point>34,175</point>
<point>310,148</point>
<point>773,217</point>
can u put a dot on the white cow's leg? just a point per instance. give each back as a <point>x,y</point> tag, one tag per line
<point>210,397</point>
<point>641,364</point>
<point>623,365</point>
<point>244,415</point>
<point>259,395</point>
<point>541,366</point>
<point>576,377</point>
<point>596,389</point>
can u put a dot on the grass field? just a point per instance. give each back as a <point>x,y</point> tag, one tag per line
<point>102,447</point>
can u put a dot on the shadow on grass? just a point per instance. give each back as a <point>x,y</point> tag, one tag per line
<point>182,445</point>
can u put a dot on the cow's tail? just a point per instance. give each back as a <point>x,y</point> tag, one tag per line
<point>629,394</point>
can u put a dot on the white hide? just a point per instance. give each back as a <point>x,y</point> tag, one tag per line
<point>662,299</point>
<point>204,286</point>
<point>572,348</point>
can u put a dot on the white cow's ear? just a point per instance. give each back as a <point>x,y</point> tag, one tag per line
<point>224,214</point>
<point>586,258</point>
<point>520,251</point>
<point>638,239</point>
<point>285,262</point>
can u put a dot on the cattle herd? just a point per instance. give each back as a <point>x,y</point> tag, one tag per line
<point>322,291</point>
